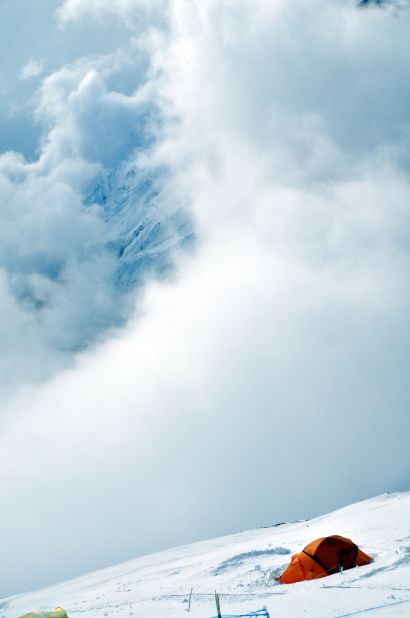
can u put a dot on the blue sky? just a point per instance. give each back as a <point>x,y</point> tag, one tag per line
<point>267,374</point>
<point>30,33</point>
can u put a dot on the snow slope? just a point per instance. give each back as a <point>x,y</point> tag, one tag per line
<point>242,567</point>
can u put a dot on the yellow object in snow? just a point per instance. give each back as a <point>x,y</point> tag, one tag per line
<point>59,612</point>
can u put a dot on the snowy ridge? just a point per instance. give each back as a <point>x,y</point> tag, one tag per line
<point>145,230</point>
<point>242,568</point>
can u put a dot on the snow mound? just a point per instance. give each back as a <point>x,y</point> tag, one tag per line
<point>239,559</point>
<point>243,567</point>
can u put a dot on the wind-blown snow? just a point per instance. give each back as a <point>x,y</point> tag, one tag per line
<point>243,567</point>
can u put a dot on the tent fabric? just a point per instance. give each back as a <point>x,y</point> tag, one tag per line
<point>59,612</point>
<point>322,557</point>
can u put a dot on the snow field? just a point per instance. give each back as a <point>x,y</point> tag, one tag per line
<point>242,568</point>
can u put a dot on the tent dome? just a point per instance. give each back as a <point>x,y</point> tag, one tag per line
<point>325,556</point>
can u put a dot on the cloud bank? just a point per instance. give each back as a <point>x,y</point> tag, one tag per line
<point>64,232</point>
<point>266,379</point>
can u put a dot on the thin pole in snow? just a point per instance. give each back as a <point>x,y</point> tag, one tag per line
<point>218,604</point>
<point>189,602</point>
<point>266,610</point>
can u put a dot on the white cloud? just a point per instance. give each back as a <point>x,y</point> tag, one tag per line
<point>86,120</point>
<point>54,253</point>
<point>269,376</point>
<point>33,68</point>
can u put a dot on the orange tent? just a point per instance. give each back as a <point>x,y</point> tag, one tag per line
<point>322,557</point>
